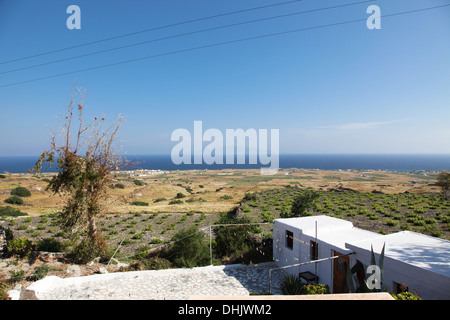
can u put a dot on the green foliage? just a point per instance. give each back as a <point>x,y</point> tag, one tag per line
<point>20,246</point>
<point>250,197</point>
<point>302,203</point>
<point>40,272</point>
<point>226,197</point>
<point>138,182</point>
<point>21,192</point>
<point>139,203</point>
<point>233,239</point>
<point>291,285</point>
<point>315,289</point>
<point>14,200</point>
<point>159,200</point>
<point>189,248</point>
<point>176,201</point>
<point>180,195</point>
<point>119,186</point>
<point>50,245</point>
<point>17,276</point>
<point>11,212</point>
<point>443,181</point>
<point>406,296</point>
<point>151,263</point>
<point>2,176</point>
<point>88,249</point>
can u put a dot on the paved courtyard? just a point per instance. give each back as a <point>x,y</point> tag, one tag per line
<point>172,284</point>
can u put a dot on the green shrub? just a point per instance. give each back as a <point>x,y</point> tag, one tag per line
<point>88,249</point>
<point>302,203</point>
<point>406,296</point>
<point>189,249</point>
<point>226,197</point>
<point>50,245</point>
<point>233,239</point>
<point>291,285</point>
<point>14,200</point>
<point>11,212</point>
<point>391,223</point>
<point>139,203</point>
<point>21,192</point>
<point>17,276</point>
<point>315,289</point>
<point>138,182</point>
<point>40,272</point>
<point>151,263</point>
<point>250,197</point>
<point>177,201</point>
<point>20,246</point>
<point>180,195</point>
<point>119,186</point>
<point>159,200</point>
<point>267,216</point>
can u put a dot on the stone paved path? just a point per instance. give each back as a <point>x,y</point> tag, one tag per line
<point>173,284</point>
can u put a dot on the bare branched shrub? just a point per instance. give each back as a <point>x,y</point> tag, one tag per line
<point>86,161</point>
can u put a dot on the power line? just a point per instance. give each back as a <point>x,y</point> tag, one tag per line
<point>220,44</point>
<point>186,34</point>
<point>153,29</point>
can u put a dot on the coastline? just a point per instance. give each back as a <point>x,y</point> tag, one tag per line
<point>330,162</point>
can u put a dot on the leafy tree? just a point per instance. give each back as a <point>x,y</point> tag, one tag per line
<point>86,161</point>
<point>443,181</point>
<point>233,239</point>
<point>21,192</point>
<point>190,248</point>
<point>14,200</point>
<point>302,203</point>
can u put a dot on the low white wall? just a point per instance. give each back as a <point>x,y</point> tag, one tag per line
<point>428,285</point>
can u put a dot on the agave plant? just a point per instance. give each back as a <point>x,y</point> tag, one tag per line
<point>363,284</point>
<point>291,285</point>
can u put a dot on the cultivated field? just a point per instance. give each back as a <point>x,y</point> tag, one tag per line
<point>211,191</point>
<point>145,210</point>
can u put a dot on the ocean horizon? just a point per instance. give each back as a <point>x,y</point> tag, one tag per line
<point>388,162</point>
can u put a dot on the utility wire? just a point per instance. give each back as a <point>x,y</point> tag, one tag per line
<point>186,34</point>
<point>153,29</point>
<point>220,44</point>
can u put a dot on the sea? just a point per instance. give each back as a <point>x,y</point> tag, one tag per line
<point>389,162</point>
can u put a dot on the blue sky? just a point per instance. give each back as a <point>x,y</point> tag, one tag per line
<point>340,89</point>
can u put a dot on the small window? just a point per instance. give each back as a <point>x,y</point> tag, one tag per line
<point>289,239</point>
<point>314,254</point>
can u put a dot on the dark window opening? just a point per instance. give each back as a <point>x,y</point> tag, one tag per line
<point>314,254</point>
<point>289,239</point>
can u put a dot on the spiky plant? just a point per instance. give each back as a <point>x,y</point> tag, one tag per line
<point>352,282</point>
<point>291,285</point>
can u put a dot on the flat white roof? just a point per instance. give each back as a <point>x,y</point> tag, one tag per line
<point>413,248</point>
<point>336,232</point>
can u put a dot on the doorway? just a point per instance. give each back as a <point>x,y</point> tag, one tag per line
<point>339,272</point>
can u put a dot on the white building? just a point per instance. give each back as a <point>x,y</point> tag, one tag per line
<point>420,262</point>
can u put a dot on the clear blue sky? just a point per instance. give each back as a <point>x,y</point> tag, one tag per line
<point>341,89</point>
